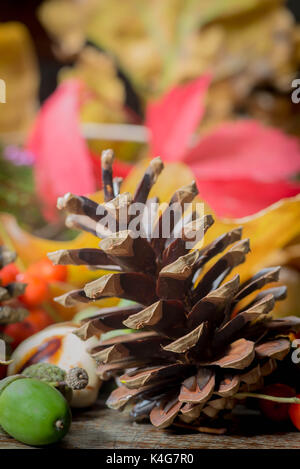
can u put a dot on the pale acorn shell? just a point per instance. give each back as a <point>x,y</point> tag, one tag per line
<point>58,345</point>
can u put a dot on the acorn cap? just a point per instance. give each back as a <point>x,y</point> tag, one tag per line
<point>77,378</point>
<point>45,372</point>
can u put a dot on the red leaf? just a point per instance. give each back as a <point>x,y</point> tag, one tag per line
<point>173,118</point>
<point>245,149</point>
<point>242,197</point>
<point>62,161</point>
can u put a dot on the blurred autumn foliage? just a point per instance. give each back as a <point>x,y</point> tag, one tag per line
<point>17,59</point>
<point>252,48</point>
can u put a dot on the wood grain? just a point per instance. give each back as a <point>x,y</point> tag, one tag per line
<point>99,427</point>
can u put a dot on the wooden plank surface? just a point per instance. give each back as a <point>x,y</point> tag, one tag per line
<point>100,427</point>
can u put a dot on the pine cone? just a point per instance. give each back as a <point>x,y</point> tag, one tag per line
<point>204,337</point>
<point>10,309</point>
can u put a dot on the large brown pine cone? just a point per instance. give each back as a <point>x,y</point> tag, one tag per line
<point>199,337</point>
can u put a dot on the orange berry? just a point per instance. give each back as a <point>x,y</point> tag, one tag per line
<point>36,292</point>
<point>8,274</point>
<point>276,411</point>
<point>51,273</point>
<point>33,323</point>
<point>294,413</point>
<point>40,318</point>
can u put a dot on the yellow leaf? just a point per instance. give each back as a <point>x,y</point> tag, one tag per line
<point>268,231</point>
<point>17,59</point>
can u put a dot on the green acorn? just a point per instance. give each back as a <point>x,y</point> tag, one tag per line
<point>33,412</point>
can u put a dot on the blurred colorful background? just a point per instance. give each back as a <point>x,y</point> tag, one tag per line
<point>205,84</point>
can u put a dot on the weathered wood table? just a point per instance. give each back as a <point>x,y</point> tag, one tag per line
<point>99,427</point>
